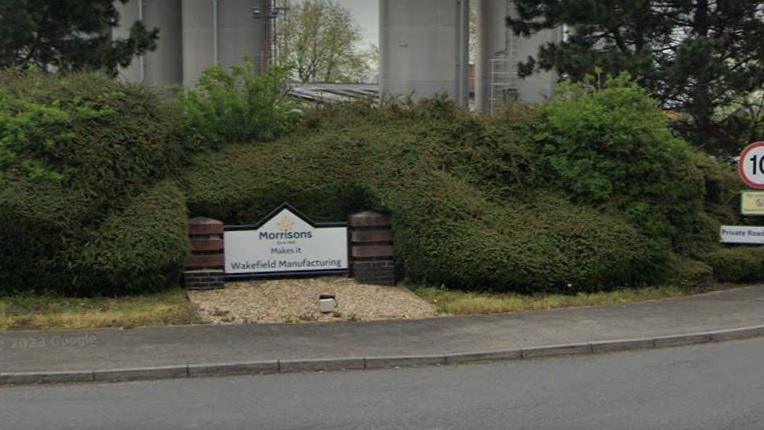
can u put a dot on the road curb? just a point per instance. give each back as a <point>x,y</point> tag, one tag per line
<point>141,374</point>
<point>374,362</point>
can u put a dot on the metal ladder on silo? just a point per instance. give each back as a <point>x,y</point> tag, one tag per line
<point>502,83</point>
<point>504,78</point>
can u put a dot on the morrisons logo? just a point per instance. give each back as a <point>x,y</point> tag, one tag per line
<point>285,235</point>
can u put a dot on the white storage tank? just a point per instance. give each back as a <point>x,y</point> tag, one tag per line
<point>241,33</point>
<point>200,39</point>
<point>221,32</point>
<point>129,13</point>
<point>163,66</point>
<point>499,51</point>
<point>423,47</point>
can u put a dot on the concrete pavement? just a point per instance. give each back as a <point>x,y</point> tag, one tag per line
<point>171,352</point>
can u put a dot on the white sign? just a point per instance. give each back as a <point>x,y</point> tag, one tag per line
<point>286,243</point>
<point>751,165</point>
<point>742,234</point>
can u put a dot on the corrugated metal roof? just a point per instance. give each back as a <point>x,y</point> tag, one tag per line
<point>333,93</point>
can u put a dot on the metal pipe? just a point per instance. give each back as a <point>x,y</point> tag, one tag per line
<point>383,50</point>
<point>215,33</point>
<point>273,19</point>
<point>274,42</point>
<point>462,51</point>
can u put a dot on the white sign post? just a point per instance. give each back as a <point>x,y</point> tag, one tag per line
<point>744,235</point>
<point>286,243</point>
<point>751,165</point>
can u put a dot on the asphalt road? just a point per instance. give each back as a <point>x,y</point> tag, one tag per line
<point>715,386</point>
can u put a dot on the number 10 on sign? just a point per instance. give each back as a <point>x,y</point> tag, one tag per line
<point>751,165</point>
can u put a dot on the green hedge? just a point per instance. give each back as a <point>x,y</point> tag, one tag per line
<point>614,147</point>
<point>86,131</point>
<point>453,238</point>
<point>37,223</point>
<point>73,150</point>
<point>462,210</point>
<point>140,245</point>
<point>743,264</point>
<point>682,271</point>
<point>490,202</point>
<point>588,192</point>
<point>137,249</point>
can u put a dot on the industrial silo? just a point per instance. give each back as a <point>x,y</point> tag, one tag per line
<point>129,13</point>
<point>499,51</point>
<point>242,33</point>
<point>424,48</point>
<point>200,38</point>
<point>222,32</point>
<point>163,66</point>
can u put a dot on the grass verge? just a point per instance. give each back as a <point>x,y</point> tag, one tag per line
<point>54,312</point>
<point>456,302</point>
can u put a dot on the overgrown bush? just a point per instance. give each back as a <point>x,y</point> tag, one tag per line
<point>37,222</point>
<point>613,147</point>
<point>683,271</point>
<point>455,188</point>
<point>47,245</point>
<point>737,264</point>
<point>140,247</point>
<point>590,191</point>
<point>74,149</point>
<point>85,131</point>
<point>587,192</point>
<point>236,105</point>
<point>722,187</point>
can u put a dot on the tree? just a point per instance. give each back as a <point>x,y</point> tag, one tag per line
<point>63,35</point>
<point>696,56</point>
<point>318,38</point>
<point>373,58</point>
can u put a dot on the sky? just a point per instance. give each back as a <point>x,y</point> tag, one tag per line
<point>366,13</point>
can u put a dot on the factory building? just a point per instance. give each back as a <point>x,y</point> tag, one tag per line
<point>424,46</point>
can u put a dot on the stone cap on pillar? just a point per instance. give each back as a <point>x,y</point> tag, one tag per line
<point>204,226</point>
<point>369,219</point>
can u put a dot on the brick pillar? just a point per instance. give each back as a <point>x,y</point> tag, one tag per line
<point>371,249</point>
<point>204,267</point>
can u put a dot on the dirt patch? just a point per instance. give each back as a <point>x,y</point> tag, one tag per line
<point>296,300</point>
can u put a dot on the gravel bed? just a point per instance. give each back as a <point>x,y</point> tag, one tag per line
<point>296,300</point>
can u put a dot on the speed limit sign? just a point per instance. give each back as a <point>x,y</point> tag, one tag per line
<point>751,165</point>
